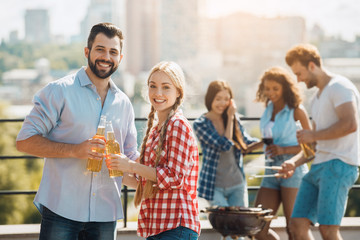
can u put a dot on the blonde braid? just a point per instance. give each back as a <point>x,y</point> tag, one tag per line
<point>149,189</point>
<point>163,131</point>
<point>139,188</point>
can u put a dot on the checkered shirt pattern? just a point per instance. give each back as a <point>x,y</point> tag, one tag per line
<point>212,144</point>
<point>175,203</point>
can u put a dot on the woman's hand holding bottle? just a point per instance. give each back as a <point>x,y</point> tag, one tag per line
<point>119,162</point>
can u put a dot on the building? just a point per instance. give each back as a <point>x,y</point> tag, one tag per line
<point>250,45</point>
<point>179,27</point>
<point>37,26</point>
<point>103,11</point>
<point>160,30</point>
<point>20,85</point>
<point>348,67</point>
<point>14,36</point>
<point>142,35</point>
<point>334,47</point>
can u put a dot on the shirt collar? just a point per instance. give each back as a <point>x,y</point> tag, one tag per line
<point>286,108</point>
<point>270,109</point>
<point>85,80</point>
<point>113,87</point>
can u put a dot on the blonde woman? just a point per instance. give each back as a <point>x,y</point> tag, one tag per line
<point>166,173</point>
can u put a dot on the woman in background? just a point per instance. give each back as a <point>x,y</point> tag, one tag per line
<point>283,108</point>
<point>223,140</point>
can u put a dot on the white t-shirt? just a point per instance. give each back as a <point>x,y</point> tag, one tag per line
<point>338,91</point>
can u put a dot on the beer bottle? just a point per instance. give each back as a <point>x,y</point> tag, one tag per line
<point>112,147</point>
<point>94,165</point>
<point>307,148</point>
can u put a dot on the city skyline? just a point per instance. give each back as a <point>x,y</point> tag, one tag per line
<point>336,17</point>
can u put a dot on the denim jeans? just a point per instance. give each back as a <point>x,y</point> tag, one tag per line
<point>232,196</point>
<point>179,233</point>
<point>55,227</point>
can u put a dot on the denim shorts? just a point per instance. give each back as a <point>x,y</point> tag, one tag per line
<point>231,196</point>
<point>55,227</point>
<point>277,183</point>
<point>323,193</point>
<point>179,233</point>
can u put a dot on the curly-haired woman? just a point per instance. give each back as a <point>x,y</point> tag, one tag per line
<point>281,96</point>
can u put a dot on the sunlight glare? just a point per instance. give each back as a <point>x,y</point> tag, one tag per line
<point>216,8</point>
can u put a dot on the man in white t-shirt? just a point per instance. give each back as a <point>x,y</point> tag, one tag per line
<point>324,190</point>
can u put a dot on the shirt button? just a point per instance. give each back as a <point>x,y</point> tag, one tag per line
<point>93,194</point>
<point>98,98</point>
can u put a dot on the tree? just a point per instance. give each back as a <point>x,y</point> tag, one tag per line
<point>23,55</point>
<point>16,174</point>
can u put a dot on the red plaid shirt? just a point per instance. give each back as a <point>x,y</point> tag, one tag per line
<point>175,203</point>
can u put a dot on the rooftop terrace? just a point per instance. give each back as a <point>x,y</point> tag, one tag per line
<point>350,226</point>
<point>350,230</point>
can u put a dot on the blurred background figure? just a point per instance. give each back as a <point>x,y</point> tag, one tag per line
<point>223,141</point>
<point>283,108</point>
<point>323,193</point>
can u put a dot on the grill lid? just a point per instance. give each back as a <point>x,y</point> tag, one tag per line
<point>238,210</point>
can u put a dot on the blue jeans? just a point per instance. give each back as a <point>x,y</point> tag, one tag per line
<point>232,196</point>
<point>179,233</point>
<point>55,227</point>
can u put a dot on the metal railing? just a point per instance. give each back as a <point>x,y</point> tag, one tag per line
<point>125,191</point>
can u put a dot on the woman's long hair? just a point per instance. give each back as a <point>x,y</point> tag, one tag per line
<point>213,89</point>
<point>291,93</point>
<point>175,73</point>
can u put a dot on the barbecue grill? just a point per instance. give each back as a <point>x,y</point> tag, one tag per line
<point>238,221</point>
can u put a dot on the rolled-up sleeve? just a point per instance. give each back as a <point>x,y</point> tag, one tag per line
<point>209,137</point>
<point>180,146</point>
<point>130,144</point>
<point>44,115</point>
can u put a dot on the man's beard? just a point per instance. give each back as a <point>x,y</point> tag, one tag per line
<point>98,73</point>
<point>312,82</point>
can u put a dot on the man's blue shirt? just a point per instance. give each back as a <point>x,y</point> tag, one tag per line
<point>68,110</point>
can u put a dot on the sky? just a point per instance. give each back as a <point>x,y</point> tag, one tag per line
<point>336,17</point>
<point>65,15</point>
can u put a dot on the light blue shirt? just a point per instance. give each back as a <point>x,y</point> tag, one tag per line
<point>68,110</point>
<point>284,128</point>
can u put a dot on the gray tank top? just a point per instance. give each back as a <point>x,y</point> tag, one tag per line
<point>228,173</point>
